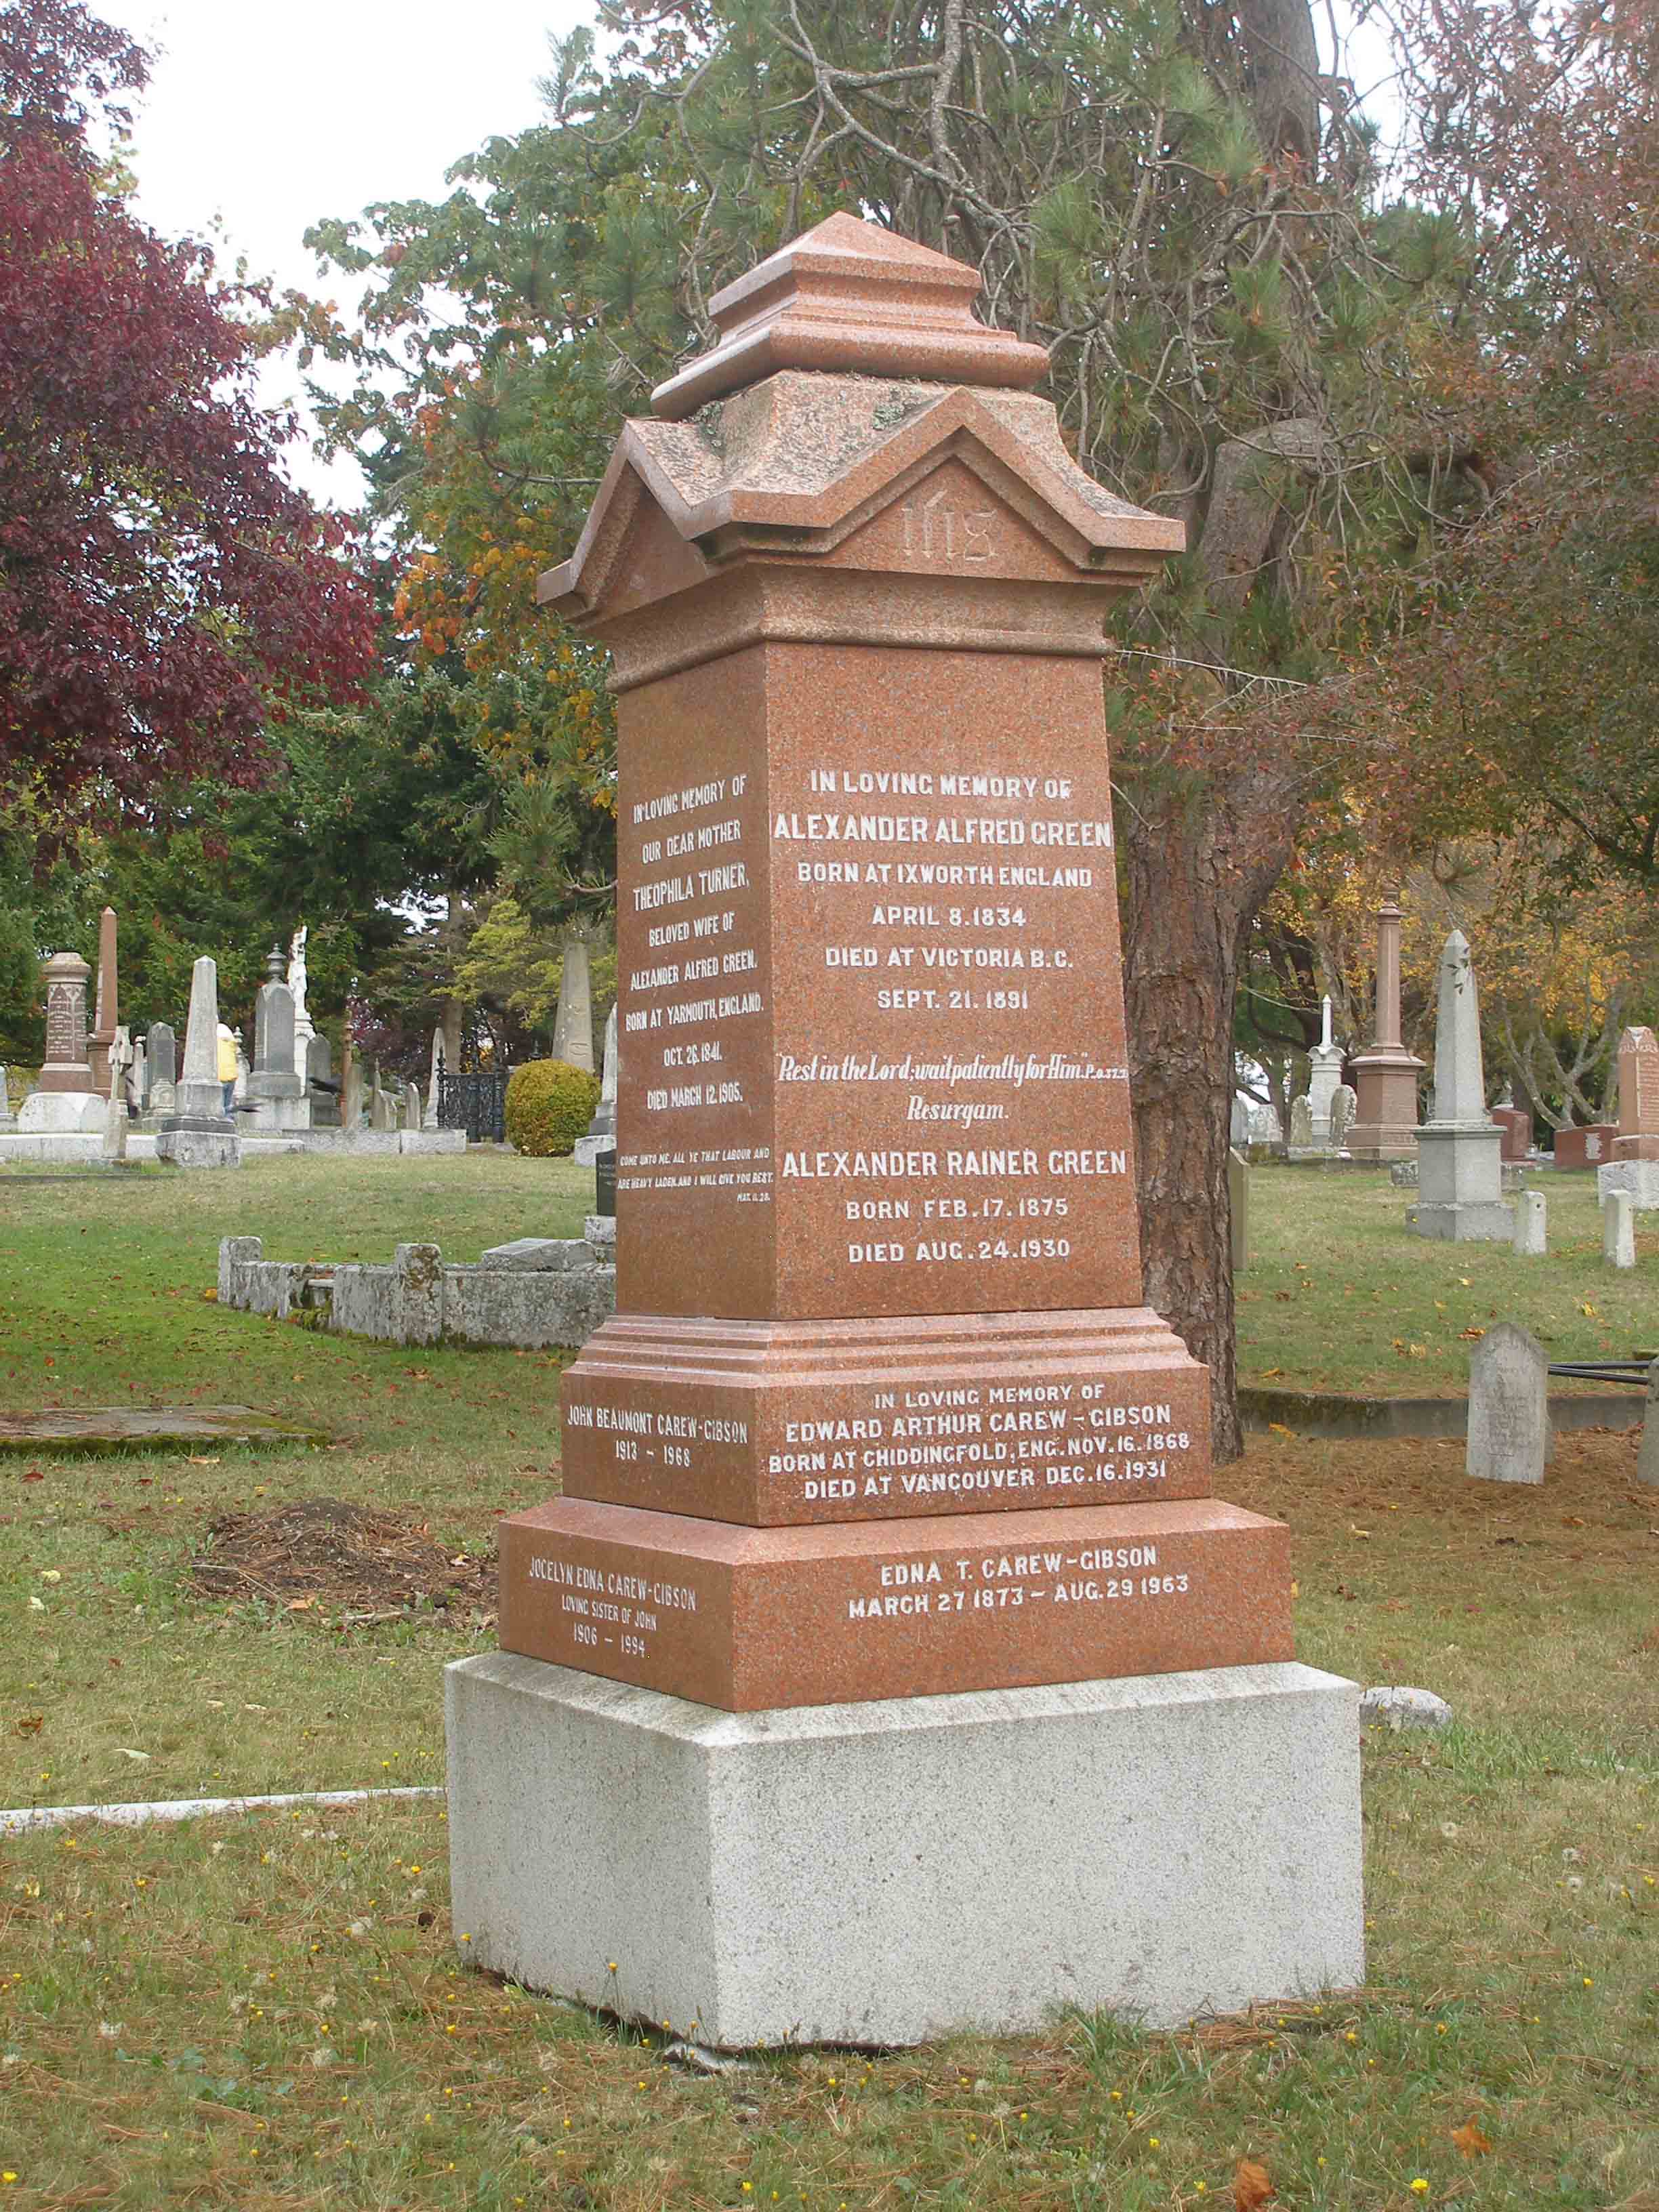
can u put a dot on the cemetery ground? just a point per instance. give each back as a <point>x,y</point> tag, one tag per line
<point>275,2011</point>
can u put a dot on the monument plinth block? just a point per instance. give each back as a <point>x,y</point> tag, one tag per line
<point>782,1422</point>
<point>749,1619</point>
<point>880,1874</point>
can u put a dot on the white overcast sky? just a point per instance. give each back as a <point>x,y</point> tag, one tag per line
<point>262,120</point>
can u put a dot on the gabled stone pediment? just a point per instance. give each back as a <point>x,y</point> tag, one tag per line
<point>803,463</point>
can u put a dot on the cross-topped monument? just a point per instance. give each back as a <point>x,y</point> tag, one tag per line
<point>882,1456</point>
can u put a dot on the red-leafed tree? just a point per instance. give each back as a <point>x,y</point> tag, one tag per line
<point>164,592</point>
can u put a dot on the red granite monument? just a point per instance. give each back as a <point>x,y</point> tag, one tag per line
<point>1384,1126</point>
<point>881,1424</point>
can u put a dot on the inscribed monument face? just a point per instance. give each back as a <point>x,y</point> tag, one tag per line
<point>878,1272</point>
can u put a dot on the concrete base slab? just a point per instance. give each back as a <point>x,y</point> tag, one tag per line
<point>884,1874</point>
<point>1639,1177</point>
<point>1489,1222</point>
<point>68,1150</point>
<point>62,1113</point>
<point>184,1145</point>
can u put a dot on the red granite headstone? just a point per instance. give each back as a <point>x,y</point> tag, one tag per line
<point>67,1068</point>
<point>1587,1145</point>
<point>1517,1124</point>
<point>880,1412</point>
<point>1638,1096</point>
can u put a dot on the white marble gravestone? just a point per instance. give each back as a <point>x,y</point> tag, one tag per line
<point>602,1129</point>
<point>1618,1229</point>
<point>573,1024</point>
<point>1459,1151</point>
<point>1325,1074</point>
<point>1531,1225</point>
<point>1508,1406</point>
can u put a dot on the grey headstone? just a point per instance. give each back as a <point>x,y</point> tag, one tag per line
<point>274,1029</point>
<point>1508,1406</point>
<point>319,1061</point>
<point>572,1025</point>
<point>352,1102</point>
<point>1344,1104</point>
<point>1618,1229</point>
<point>1238,1208</point>
<point>413,1116</point>
<point>1647,1460</point>
<point>161,1050</point>
<point>1302,1124</point>
<point>1398,1707</point>
<point>115,1124</point>
<point>8,1119</point>
<point>381,1114</point>
<point>1531,1228</point>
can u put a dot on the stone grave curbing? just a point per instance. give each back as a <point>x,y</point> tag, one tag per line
<point>1647,1458</point>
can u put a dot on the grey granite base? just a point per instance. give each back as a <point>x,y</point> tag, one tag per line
<point>1639,1177</point>
<point>199,1144</point>
<point>1487,1223</point>
<point>884,1874</point>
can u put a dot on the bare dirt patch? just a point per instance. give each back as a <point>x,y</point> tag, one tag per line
<point>325,1557</point>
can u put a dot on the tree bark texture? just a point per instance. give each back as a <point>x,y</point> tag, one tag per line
<point>1195,874</point>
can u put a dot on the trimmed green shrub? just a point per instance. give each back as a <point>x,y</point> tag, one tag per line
<point>548,1105</point>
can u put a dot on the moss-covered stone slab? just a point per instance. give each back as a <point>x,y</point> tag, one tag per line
<point>97,1429</point>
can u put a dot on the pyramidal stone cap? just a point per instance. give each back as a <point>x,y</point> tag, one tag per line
<point>850,297</point>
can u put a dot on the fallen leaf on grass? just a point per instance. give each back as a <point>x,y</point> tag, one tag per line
<point>1471,1335</point>
<point>1278,1429</point>
<point>1469,2139</point>
<point>1572,1521</point>
<point>138,1758</point>
<point>30,1723</point>
<point>1353,1531</point>
<point>1251,2185</point>
<point>196,1460</point>
<point>301,1604</point>
<point>210,1298</point>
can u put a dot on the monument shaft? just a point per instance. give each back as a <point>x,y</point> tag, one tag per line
<point>878,1267</point>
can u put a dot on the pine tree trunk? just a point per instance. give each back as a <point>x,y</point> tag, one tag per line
<point>1194,877</point>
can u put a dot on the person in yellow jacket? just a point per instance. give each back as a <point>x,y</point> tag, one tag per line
<point>226,1040</point>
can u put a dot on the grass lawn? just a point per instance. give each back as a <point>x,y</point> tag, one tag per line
<point>1341,1295</point>
<point>275,2012</point>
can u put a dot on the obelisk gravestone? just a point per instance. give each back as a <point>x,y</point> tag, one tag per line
<point>1460,1150</point>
